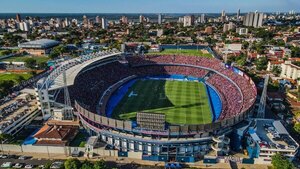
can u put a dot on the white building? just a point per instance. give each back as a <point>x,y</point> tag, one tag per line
<point>188,20</point>
<point>242,31</point>
<point>24,26</point>
<point>289,70</point>
<point>159,19</point>
<point>104,23</point>
<point>254,19</point>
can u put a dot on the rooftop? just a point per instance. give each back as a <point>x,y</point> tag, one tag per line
<point>40,44</point>
<point>272,134</point>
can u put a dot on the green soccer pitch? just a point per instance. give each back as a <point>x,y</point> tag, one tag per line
<point>183,102</point>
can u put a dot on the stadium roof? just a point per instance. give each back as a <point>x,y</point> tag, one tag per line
<point>40,44</point>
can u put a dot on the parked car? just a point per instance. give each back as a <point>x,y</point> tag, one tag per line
<point>23,157</point>
<point>4,156</point>
<point>56,165</point>
<point>41,166</point>
<point>18,165</point>
<point>6,165</point>
<point>29,166</point>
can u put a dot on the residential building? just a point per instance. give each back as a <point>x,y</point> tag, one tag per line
<point>242,31</point>
<point>290,70</point>
<point>188,20</point>
<point>159,19</point>
<point>104,23</point>
<point>254,19</point>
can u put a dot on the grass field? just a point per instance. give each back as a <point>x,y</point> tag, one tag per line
<point>14,76</point>
<point>23,58</point>
<point>183,102</point>
<point>185,52</point>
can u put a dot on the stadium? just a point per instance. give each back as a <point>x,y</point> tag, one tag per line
<point>161,108</point>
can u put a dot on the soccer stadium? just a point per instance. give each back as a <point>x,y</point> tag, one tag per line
<point>160,108</point>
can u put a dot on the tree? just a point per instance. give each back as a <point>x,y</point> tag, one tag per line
<point>42,65</point>
<point>61,49</point>
<point>5,87</point>
<point>30,63</point>
<point>4,137</point>
<point>53,55</point>
<point>72,163</point>
<point>87,165</point>
<point>276,70</point>
<point>100,165</point>
<point>261,63</point>
<point>297,127</point>
<point>281,162</point>
<point>295,51</point>
<point>20,79</point>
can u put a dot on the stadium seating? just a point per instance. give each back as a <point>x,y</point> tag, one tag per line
<point>236,92</point>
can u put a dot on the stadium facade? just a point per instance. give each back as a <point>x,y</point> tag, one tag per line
<point>94,80</point>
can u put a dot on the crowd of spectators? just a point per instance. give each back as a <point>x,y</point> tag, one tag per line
<point>91,85</point>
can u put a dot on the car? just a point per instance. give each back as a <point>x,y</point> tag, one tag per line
<point>4,156</point>
<point>29,166</point>
<point>56,165</point>
<point>23,157</point>
<point>18,165</point>
<point>41,166</point>
<point>6,165</point>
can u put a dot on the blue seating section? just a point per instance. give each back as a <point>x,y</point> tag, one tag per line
<point>215,101</point>
<point>117,97</point>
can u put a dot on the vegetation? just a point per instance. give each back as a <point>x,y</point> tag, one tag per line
<point>58,51</point>
<point>186,52</point>
<point>5,52</point>
<point>5,87</point>
<point>295,51</point>
<point>7,81</point>
<point>276,70</point>
<point>15,77</point>
<point>39,59</point>
<point>281,162</point>
<point>263,33</point>
<point>74,163</point>
<point>261,63</point>
<point>4,137</point>
<point>239,60</point>
<point>79,140</point>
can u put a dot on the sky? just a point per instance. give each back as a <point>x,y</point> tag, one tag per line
<point>146,6</point>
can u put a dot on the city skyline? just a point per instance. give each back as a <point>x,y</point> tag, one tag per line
<point>154,6</point>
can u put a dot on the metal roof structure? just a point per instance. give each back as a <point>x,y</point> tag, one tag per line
<point>40,44</point>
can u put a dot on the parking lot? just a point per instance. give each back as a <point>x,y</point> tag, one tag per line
<point>38,163</point>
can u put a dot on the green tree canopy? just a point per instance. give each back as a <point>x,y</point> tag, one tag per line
<point>5,87</point>
<point>100,165</point>
<point>30,63</point>
<point>261,63</point>
<point>281,162</point>
<point>72,163</point>
<point>276,70</point>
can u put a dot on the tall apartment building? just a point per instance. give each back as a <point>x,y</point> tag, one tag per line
<point>124,20</point>
<point>18,18</point>
<point>104,23</point>
<point>188,20</point>
<point>159,21</point>
<point>228,27</point>
<point>254,19</point>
